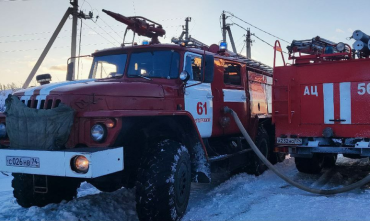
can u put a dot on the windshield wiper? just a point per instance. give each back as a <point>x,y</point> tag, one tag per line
<point>139,75</point>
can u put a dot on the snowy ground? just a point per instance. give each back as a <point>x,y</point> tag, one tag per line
<point>241,197</point>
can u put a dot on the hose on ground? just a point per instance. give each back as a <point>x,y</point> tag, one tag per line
<point>282,176</point>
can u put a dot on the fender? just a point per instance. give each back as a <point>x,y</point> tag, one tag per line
<point>199,157</point>
<point>145,113</point>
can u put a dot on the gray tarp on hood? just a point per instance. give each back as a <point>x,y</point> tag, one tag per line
<point>37,129</point>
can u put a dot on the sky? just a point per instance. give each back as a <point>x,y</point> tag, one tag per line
<point>27,25</point>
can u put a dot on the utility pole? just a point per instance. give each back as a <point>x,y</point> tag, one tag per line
<point>226,28</point>
<point>187,20</point>
<point>70,11</point>
<point>47,48</point>
<point>74,3</point>
<point>223,26</point>
<point>248,42</point>
<point>185,30</point>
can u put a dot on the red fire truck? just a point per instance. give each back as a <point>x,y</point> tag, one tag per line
<point>320,104</point>
<point>150,116</point>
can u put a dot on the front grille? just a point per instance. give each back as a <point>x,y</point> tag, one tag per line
<point>41,103</point>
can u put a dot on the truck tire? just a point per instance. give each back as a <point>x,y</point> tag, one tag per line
<point>257,167</point>
<point>163,183</point>
<point>276,157</point>
<point>59,188</point>
<point>312,165</point>
<point>330,160</point>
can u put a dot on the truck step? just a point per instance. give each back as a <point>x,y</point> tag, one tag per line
<point>226,156</point>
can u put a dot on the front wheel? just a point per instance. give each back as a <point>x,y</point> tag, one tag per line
<point>312,165</point>
<point>163,182</point>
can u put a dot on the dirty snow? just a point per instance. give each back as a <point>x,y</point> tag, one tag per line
<point>241,197</point>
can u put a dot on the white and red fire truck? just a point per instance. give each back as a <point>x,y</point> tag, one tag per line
<point>150,116</point>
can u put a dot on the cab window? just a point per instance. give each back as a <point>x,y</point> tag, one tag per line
<point>154,64</point>
<point>108,66</point>
<point>232,74</point>
<point>194,66</point>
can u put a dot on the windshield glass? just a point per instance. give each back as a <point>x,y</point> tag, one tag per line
<point>154,64</point>
<point>108,66</point>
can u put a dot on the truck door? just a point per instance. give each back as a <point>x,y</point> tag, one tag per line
<point>198,95</point>
<point>234,93</point>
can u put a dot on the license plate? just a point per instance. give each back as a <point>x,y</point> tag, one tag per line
<point>289,140</point>
<point>33,162</point>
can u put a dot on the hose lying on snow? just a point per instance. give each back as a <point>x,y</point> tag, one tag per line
<point>282,176</point>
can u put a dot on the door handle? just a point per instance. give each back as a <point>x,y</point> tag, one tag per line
<point>209,96</point>
<point>244,97</point>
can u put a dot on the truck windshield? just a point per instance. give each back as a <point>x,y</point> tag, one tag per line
<point>108,66</point>
<point>154,64</point>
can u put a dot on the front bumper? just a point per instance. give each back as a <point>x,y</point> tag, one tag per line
<point>102,161</point>
<point>304,151</point>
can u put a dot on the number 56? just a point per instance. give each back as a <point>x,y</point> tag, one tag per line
<point>362,90</point>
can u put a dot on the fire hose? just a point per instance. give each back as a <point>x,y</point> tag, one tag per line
<point>282,176</point>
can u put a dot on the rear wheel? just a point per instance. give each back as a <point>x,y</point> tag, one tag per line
<point>58,189</point>
<point>312,165</point>
<point>163,183</point>
<point>257,167</point>
<point>276,157</point>
<point>330,160</point>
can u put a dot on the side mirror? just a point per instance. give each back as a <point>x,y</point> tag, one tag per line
<point>184,76</point>
<point>210,61</point>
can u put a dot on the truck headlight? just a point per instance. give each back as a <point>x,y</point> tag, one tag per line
<point>80,164</point>
<point>2,130</point>
<point>98,132</point>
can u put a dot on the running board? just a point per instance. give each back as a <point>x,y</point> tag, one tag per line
<point>226,156</point>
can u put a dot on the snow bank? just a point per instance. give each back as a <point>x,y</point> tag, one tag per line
<point>90,205</point>
<point>267,197</point>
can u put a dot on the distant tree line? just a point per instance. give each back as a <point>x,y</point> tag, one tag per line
<point>9,86</point>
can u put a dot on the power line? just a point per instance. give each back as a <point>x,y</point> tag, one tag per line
<point>99,34</point>
<point>257,27</point>
<point>35,49</point>
<point>107,33</point>
<point>39,39</point>
<point>242,48</point>
<point>36,33</point>
<point>110,27</point>
<point>256,36</point>
<point>267,43</point>
<point>14,0</point>
<point>79,51</point>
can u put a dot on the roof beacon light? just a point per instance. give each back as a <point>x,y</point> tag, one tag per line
<point>223,45</point>
<point>145,42</point>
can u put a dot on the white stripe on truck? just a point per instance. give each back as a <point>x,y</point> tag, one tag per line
<point>328,91</point>
<point>345,102</point>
